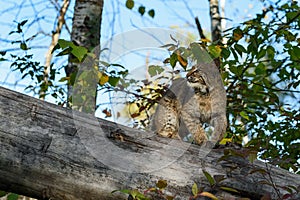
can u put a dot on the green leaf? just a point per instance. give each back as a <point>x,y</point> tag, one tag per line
<point>271,52</point>
<point>225,53</point>
<point>69,47</point>
<point>79,52</point>
<point>240,49</point>
<point>210,179</point>
<point>294,53</point>
<point>154,70</point>
<point>261,53</point>
<point>23,46</point>
<point>124,191</point>
<point>113,81</point>
<point>291,15</point>
<point>2,193</point>
<point>64,43</point>
<point>215,50</point>
<point>137,195</point>
<point>244,115</point>
<point>151,13</point>
<point>64,52</point>
<point>260,69</point>
<point>57,46</point>
<point>129,4</point>
<point>173,59</point>
<point>237,34</point>
<point>12,196</point>
<point>233,69</point>
<point>142,10</point>
<point>195,189</point>
<point>228,189</point>
<point>234,54</point>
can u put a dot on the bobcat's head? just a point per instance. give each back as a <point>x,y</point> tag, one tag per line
<point>196,80</point>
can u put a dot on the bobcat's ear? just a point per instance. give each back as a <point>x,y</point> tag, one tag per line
<point>194,68</point>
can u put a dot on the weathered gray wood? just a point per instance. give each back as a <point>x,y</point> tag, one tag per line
<point>49,151</point>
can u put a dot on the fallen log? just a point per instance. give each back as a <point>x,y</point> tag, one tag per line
<point>50,152</point>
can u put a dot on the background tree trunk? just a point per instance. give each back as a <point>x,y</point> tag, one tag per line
<point>86,29</point>
<point>215,20</point>
<point>43,154</point>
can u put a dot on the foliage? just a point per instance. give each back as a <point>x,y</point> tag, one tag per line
<point>9,196</point>
<point>130,4</point>
<point>262,78</point>
<point>28,67</point>
<point>260,65</point>
<point>91,71</point>
<point>151,193</point>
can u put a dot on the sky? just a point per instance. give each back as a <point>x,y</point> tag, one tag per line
<point>117,19</point>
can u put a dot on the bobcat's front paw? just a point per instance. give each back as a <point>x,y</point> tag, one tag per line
<point>168,134</point>
<point>200,138</point>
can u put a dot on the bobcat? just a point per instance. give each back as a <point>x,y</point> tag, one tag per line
<point>187,104</point>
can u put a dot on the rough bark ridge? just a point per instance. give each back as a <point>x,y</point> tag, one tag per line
<point>44,153</point>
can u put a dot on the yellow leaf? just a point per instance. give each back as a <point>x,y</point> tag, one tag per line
<point>195,189</point>
<point>209,195</point>
<point>225,141</point>
<point>182,61</point>
<point>237,36</point>
<point>103,79</point>
<point>205,40</point>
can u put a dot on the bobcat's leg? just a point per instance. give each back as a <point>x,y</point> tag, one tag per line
<point>199,135</point>
<point>165,121</point>
<point>194,126</point>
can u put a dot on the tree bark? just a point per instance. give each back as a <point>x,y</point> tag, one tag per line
<point>215,20</point>
<point>47,151</point>
<point>86,29</point>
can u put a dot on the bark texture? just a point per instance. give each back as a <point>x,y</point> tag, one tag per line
<point>51,152</point>
<point>215,20</point>
<point>86,29</point>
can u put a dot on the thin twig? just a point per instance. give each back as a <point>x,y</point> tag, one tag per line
<point>200,30</point>
<point>55,37</point>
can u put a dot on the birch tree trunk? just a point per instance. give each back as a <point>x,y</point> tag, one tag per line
<point>86,30</point>
<point>215,20</point>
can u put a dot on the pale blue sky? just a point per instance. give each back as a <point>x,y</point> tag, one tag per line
<point>116,19</point>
